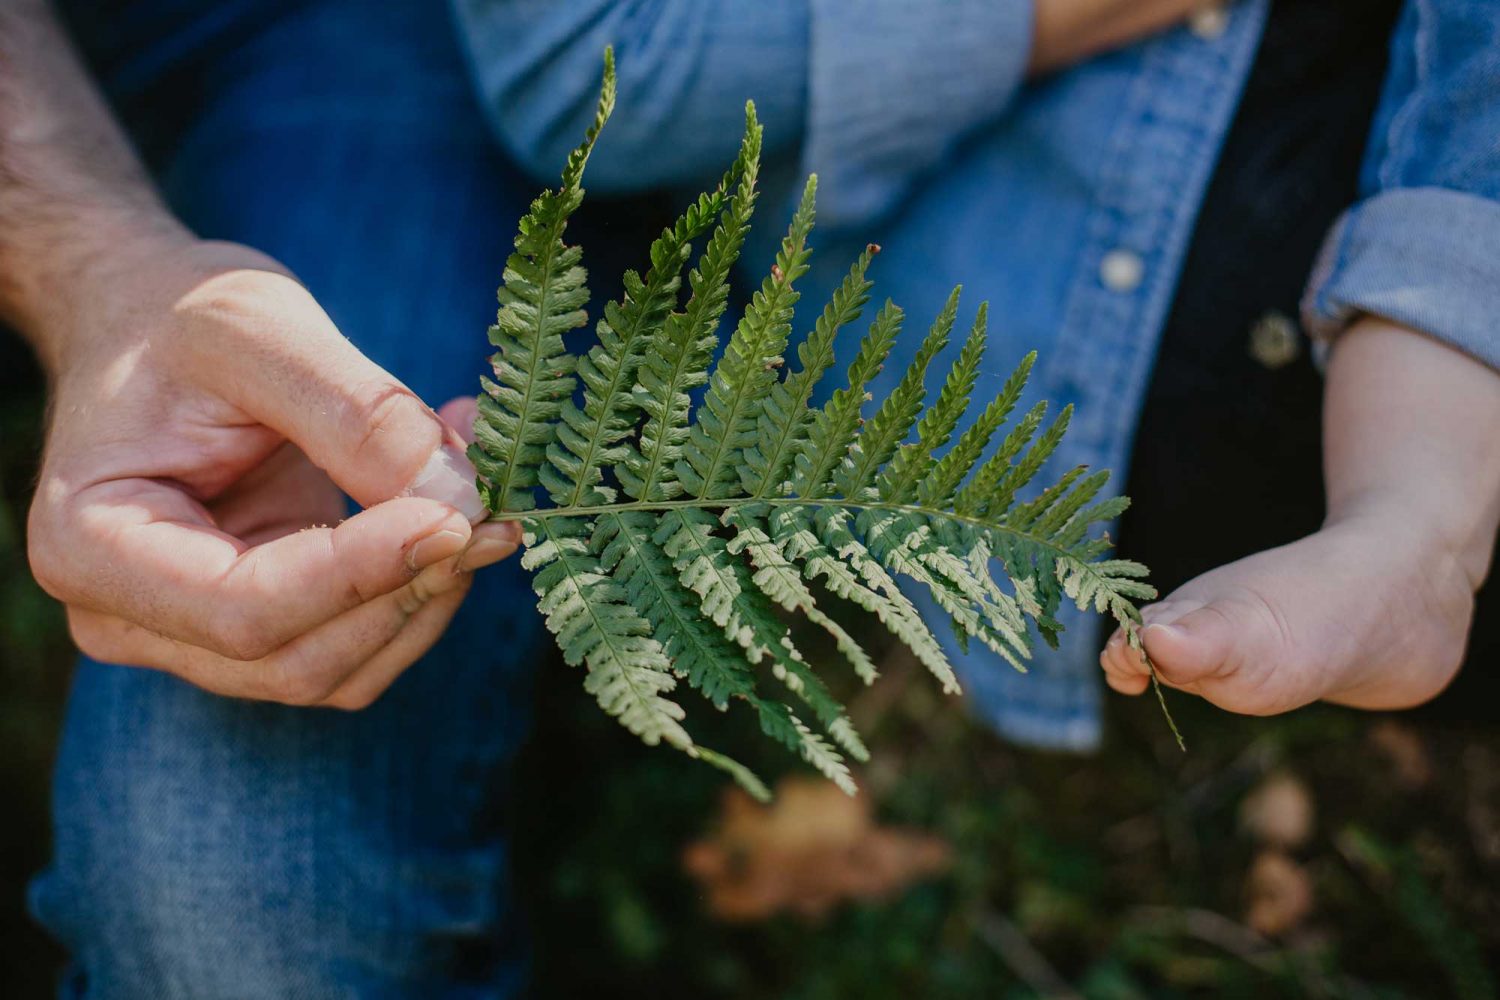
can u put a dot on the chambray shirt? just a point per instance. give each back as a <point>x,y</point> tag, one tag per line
<point>1066,202</point>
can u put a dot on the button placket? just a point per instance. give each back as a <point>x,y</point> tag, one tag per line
<point>1104,352</point>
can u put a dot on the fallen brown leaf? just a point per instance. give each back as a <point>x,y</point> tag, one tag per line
<point>1278,812</point>
<point>809,850</point>
<point>1279,894</point>
<point>1402,745</point>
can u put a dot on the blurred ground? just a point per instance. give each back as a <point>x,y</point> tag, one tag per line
<point>1324,854</point>
<point>34,656</point>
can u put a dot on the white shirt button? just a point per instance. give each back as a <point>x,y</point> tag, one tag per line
<point>1121,270</point>
<point>1208,23</point>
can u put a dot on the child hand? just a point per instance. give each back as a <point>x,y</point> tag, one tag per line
<point>1367,613</point>
<point>1373,610</point>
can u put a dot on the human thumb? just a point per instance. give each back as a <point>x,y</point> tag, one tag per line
<point>1189,645</point>
<point>372,435</point>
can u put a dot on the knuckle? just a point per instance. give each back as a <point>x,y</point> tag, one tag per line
<point>43,554</point>
<point>241,294</point>
<point>430,585</point>
<point>396,429</point>
<point>91,640</point>
<point>303,689</point>
<point>240,636</point>
<point>354,587</point>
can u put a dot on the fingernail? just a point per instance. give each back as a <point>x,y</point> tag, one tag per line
<point>1162,628</point>
<point>449,478</point>
<point>485,550</point>
<point>434,548</point>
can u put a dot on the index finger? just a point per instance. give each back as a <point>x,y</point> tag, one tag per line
<point>146,552</point>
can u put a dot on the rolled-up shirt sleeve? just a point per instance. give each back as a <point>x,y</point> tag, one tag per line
<point>868,93</point>
<point>1422,247</point>
<point>686,68</point>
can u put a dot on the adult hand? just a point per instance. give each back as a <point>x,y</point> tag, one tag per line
<point>205,415</point>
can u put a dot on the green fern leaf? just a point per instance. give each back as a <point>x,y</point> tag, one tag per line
<point>731,516</point>
<point>1016,478</point>
<point>590,438</point>
<point>786,418</point>
<point>678,356</point>
<point>899,481</point>
<point>835,428</point>
<point>628,671</point>
<point>828,549</point>
<point>726,422</point>
<point>542,298</point>
<point>880,438</point>
<point>697,647</point>
<point>779,578</point>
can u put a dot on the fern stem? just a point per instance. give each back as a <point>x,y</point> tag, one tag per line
<point>663,506</point>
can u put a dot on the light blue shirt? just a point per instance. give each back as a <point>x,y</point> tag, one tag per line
<point>1067,202</point>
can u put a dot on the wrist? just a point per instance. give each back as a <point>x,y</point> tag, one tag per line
<point>54,286</point>
<point>135,282</point>
<point>1409,440</point>
<point>1442,532</point>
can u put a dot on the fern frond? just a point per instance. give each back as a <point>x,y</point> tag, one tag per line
<point>899,481</point>
<point>697,647</point>
<point>976,495</point>
<point>542,298</point>
<point>731,599</point>
<point>835,427</point>
<point>678,356</point>
<point>778,722</point>
<point>903,544</point>
<point>784,420</point>
<point>891,424</point>
<point>828,549</point>
<point>628,671</point>
<point>725,424</point>
<point>781,580</point>
<point>742,775</point>
<point>590,438</point>
<point>740,512</point>
<point>1016,478</point>
<point>937,488</point>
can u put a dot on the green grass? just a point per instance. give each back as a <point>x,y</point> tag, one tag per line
<point>34,657</point>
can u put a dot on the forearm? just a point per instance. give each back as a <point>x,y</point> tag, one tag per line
<point>1412,429</point>
<point>72,193</point>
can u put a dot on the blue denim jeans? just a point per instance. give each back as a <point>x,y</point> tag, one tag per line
<point>207,847</point>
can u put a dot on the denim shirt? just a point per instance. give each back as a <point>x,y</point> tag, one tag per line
<point>1066,202</point>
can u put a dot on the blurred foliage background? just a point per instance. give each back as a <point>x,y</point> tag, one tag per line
<point>1322,854</point>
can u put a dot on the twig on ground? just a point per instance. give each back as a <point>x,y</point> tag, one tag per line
<point>1022,958</point>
